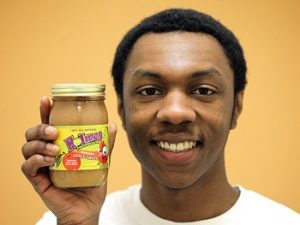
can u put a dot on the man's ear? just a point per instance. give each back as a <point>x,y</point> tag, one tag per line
<point>121,112</point>
<point>237,108</point>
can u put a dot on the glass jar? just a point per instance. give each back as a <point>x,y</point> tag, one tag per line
<point>79,114</point>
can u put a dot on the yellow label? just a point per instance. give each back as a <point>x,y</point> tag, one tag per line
<point>82,147</point>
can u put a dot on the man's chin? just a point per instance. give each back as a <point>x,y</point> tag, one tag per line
<point>176,181</point>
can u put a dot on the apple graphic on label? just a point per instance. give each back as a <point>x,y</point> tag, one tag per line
<point>70,162</point>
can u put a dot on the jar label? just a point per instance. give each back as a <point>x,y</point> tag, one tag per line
<point>83,147</point>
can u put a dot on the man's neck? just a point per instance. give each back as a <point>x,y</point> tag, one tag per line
<point>208,197</point>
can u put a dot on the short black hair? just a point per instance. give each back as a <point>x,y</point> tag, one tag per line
<point>189,20</point>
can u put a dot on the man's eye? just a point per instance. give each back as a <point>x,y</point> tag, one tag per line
<point>150,91</point>
<point>203,91</point>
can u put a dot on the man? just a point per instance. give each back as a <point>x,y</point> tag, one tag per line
<point>180,77</point>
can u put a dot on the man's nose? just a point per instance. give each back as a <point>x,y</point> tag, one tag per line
<point>176,108</point>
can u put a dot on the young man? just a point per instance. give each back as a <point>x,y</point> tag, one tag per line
<point>180,77</point>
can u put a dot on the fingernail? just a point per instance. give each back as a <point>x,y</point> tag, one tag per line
<point>49,159</point>
<point>50,130</point>
<point>52,148</point>
<point>43,98</point>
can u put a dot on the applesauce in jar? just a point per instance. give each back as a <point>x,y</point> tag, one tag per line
<point>79,114</point>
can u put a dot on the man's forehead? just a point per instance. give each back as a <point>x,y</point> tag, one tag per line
<point>176,47</point>
<point>175,52</point>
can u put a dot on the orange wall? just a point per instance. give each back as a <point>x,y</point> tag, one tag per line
<point>52,41</point>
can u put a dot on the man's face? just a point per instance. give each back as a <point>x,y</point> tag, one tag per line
<point>178,106</point>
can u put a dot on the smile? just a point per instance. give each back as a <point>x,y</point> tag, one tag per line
<point>176,147</point>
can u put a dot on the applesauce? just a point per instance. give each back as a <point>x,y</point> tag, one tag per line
<point>79,114</point>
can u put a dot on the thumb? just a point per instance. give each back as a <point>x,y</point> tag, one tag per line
<point>45,107</point>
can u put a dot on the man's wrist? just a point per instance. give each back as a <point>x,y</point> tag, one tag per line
<point>87,221</point>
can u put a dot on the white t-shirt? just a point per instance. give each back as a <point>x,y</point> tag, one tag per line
<point>126,208</point>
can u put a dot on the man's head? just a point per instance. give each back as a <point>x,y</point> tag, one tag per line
<point>181,20</point>
<point>179,96</point>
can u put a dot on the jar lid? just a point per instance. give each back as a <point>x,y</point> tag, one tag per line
<point>77,89</point>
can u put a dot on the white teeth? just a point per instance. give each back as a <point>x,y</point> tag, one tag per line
<point>167,145</point>
<point>180,147</point>
<point>186,145</point>
<point>173,147</point>
<point>176,147</point>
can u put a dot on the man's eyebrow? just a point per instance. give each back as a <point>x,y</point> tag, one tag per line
<point>200,73</point>
<point>206,72</point>
<point>145,73</point>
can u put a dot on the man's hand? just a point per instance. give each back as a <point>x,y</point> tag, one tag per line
<point>69,205</point>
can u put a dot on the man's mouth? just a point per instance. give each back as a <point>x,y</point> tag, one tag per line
<point>176,147</point>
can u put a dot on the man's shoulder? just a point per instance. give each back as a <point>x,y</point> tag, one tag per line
<point>124,204</point>
<point>260,206</point>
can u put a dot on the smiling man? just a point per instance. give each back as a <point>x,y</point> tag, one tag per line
<point>180,77</point>
<point>177,109</point>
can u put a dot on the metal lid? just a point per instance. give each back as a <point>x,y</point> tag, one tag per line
<point>78,89</point>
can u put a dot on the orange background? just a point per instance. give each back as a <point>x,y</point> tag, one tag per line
<point>53,41</point>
